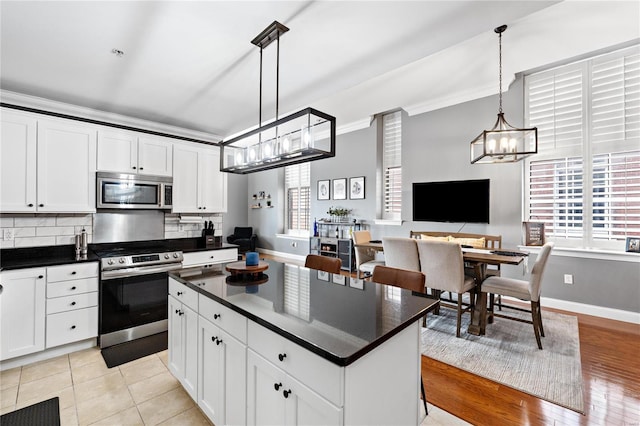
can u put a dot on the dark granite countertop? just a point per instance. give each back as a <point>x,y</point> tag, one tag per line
<point>34,257</point>
<point>340,321</point>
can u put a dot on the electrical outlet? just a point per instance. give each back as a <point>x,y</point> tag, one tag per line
<point>7,235</point>
<point>294,244</point>
<point>568,279</point>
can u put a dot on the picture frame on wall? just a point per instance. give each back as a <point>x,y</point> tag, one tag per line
<point>323,190</point>
<point>356,283</point>
<point>323,275</point>
<point>338,279</point>
<point>356,188</point>
<point>633,245</point>
<point>340,189</point>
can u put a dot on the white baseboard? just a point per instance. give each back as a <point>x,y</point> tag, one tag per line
<point>47,354</point>
<point>282,254</point>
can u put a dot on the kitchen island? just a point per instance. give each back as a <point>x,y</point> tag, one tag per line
<point>296,346</point>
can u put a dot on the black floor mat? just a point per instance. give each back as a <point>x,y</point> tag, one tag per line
<point>128,351</point>
<point>45,413</point>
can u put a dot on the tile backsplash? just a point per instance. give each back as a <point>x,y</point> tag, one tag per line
<point>32,230</point>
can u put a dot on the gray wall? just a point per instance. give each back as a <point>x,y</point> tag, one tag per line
<point>436,147</point>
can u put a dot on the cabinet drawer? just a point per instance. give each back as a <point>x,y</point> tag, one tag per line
<point>225,318</point>
<point>72,271</point>
<point>71,287</point>
<point>184,294</point>
<point>209,257</point>
<point>72,303</point>
<point>320,375</point>
<point>72,326</point>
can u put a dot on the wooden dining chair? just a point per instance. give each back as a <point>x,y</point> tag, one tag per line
<point>407,279</point>
<point>323,263</point>
<point>523,290</point>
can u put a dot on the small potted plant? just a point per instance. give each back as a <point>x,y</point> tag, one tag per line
<point>339,214</point>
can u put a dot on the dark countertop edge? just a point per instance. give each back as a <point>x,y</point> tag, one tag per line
<point>335,359</point>
<point>65,254</point>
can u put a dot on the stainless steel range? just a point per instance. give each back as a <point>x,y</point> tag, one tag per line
<point>134,293</point>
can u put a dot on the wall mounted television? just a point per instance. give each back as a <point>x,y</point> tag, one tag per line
<point>461,201</point>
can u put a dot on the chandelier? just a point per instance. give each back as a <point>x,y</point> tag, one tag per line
<point>303,136</point>
<point>503,143</point>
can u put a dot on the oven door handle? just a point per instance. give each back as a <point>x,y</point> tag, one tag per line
<point>144,270</point>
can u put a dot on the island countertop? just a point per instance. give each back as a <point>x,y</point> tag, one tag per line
<point>337,317</point>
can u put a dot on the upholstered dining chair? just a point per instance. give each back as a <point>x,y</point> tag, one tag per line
<point>443,265</point>
<point>525,290</point>
<point>323,263</point>
<point>401,252</point>
<point>403,278</point>
<point>365,258</point>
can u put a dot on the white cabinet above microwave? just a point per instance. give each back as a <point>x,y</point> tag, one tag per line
<point>130,152</point>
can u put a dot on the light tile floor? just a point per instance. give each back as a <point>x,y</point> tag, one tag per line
<point>141,392</point>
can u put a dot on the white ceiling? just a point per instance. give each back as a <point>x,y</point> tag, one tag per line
<point>191,64</point>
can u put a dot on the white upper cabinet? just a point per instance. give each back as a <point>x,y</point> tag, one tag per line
<point>18,162</point>
<point>66,167</point>
<point>48,165</point>
<point>129,152</point>
<point>198,184</point>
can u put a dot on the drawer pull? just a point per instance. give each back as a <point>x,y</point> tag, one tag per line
<point>73,288</point>
<point>73,303</point>
<point>73,273</point>
<point>73,327</point>
<point>286,393</point>
<point>216,316</point>
<point>177,310</point>
<point>212,257</point>
<point>40,277</point>
<point>214,338</point>
<point>281,357</point>
<point>179,293</point>
<point>30,204</point>
<point>277,386</point>
<point>181,313</point>
<point>40,205</point>
<point>218,341</point>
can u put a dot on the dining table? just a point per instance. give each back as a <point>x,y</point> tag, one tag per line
<point>478,259</point>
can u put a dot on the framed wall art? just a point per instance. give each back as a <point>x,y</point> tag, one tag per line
<point>633,245</point>
<point>356,188</point>
<point>323,275</point>
<point>340,189</point>
<point>323,190</point>
<point>339,279</point>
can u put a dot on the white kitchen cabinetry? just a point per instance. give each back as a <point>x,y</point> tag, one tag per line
<point>208,257</point>
<point>183,336</point>
<point>48,165</point>
<point>198,184</point>
<point>22,312</point>
<point>72,303</point>
<point>129,152</point>
<point>18,162</point>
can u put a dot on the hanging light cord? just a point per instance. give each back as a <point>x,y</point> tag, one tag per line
<point>500,67</point>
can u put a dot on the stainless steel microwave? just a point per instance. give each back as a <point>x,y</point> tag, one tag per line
<point>128,191</point>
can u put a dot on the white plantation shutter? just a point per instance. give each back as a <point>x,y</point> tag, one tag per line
<point>297,180</point>
<point>392,164</point>
<point>585,182</point>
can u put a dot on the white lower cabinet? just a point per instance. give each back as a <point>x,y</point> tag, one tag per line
<point>183,344</point>
<point>22,312</point>
<point>222,361</point>
<point>274,397</point>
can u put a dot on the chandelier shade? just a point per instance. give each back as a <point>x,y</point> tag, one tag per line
<point>503,143</point>
<point>303,136</point>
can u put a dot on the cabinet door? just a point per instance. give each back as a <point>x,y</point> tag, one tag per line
<point>213,182</point>
<point>155,156</point>
<point>17,163</point>
<point>175,339</point>
<point>66,167</point>
<point>190,351</point>
<point>117,151</point>
<point>185,180</point>
<point>266,403</point>
<point>305,407</point>
<point>22,296</point>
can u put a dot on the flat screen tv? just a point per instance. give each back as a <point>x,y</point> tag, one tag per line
<point>461,201</point>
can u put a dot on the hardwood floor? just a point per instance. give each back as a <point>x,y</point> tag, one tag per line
<point>610,356</point>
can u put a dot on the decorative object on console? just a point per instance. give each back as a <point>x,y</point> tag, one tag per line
<point>356,188</point>
<point>303,136</point>
<point>633,245</point>
<point>503,143</point>
<point>533,233</point>
<point>252,258</point>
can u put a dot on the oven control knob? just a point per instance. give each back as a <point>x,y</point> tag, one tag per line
<point>110,262</point>
<point>175,255</point>
<point>121,260</point>
<point>166,256</point>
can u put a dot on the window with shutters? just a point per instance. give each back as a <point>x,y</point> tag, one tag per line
<point>296,292</point>
<point>298,190</point>
<point>584,183</point>
<point>392,165</point>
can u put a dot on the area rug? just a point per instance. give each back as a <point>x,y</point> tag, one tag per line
<point>508,354</point>
<point>45,413</point>
<point>125,352</point>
